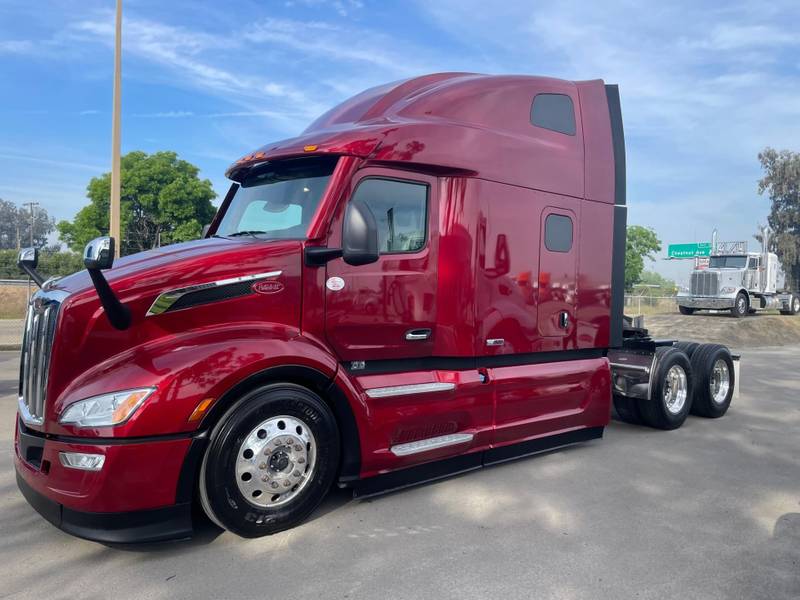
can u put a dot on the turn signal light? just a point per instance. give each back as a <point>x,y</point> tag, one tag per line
<point>200,410</point>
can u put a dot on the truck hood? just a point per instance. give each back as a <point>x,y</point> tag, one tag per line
<point>169,258</point>
<point>244,284</point>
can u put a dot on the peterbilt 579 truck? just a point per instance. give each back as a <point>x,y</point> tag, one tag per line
<point>428,280</point>
<point>739,281</point>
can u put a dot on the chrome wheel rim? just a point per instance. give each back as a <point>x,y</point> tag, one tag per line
<point>276,461</point>
<point>720,381</point>
<point>796,305</point>
<point>675,389</point>
<point>742,304</point>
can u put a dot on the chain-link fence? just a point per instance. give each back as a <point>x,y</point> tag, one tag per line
<point>649,305</point>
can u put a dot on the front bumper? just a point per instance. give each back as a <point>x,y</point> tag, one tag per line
<point>143,493</point>
<point>155,525</point>
<point>705,302</point>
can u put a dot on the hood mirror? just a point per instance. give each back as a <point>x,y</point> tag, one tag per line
<point>99,253</point>
<point>27,261</point>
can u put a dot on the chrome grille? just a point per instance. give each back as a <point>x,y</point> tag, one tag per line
<point>705,283</point>
<point>37,346</point>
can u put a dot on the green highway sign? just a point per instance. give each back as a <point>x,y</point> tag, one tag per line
<point>689,250</point>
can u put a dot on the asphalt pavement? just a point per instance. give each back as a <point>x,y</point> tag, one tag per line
<point>709,511</point>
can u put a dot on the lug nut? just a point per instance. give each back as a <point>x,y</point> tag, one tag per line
<point>274,484</point>
<point>296,473</point>
<point>264,478</point>
<point>301,460</point>
<point>262,465</point>
<point>286,484</point>
<point>298,447</point>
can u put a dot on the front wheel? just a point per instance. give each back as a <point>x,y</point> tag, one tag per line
<point>271,460</point>
<point>741,306</point>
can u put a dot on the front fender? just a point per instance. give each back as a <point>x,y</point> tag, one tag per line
<point>187,369</point>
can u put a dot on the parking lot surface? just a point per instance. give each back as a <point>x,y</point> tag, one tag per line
<point>709,511</point>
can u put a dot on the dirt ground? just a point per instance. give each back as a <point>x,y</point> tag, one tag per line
<point>13,301</point>
<point>759,330</point>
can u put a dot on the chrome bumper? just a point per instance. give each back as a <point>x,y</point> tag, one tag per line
<point>705,302</point>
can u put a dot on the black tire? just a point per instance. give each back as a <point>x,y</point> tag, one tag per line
<point>703,362</point>
<point>656,412</point>
<point>627,410</point>
<point>794,306</point>
<point>686,310</point>
<point>687,347</point>
<point>741,306</point>
<point>220,493</point>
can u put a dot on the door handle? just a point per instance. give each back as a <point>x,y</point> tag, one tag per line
<point>415,335</point>
<point>563,319</point>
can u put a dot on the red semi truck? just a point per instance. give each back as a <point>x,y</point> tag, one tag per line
<point>426,281</point>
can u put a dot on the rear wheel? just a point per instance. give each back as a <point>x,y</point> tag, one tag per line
<point>671,397</point>
<point>687,347</point>
<point>627,409</point>
<point>686,310</point>
<point>741,306</point>
<point>714,376</point>
<point>270,462</point>
<point>794,306</point>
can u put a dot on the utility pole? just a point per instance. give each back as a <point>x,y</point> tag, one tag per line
<point>32,206</point>
<point>115,214</point>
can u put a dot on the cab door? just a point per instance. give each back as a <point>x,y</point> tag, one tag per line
<point>387,310</point>
<point>557,276</point>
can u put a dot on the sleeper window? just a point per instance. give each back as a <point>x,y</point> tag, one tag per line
<point>555,112</point>
<point>401,211</point>
<point>558,233</point>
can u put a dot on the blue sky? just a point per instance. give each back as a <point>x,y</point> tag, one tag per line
<point>704,85</point>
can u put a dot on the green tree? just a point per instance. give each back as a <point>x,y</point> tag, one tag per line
<point>781,182</point>
<point>655,284</point>
<point>642,243</point>
<point>15,226</point>
<point>163,201</point>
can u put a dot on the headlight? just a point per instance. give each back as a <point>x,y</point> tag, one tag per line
<point>727,290</point>
<point>106,410</point>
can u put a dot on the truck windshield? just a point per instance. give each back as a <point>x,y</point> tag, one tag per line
<point>727,262</point>
<point>277,200</point>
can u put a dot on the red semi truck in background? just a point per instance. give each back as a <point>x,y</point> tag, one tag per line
<point>426,281</point>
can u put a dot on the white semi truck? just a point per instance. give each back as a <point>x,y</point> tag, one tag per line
<point>739,281</point>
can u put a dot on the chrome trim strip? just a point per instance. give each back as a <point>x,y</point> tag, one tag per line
<point>27,417</point>
<point>165,300</point>
<point>495,342</point>
<point>405,390</point>
<point>433,443</point>
<point>630,367</point>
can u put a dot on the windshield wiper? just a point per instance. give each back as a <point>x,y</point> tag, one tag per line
<point>252,233</point>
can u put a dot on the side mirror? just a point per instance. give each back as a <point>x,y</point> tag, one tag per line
<point>28,257</point>
<point>360,235</point>
<point>27,261</point>
<point>99,254</point>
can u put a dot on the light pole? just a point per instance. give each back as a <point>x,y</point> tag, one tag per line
<point>114,216</point>
<point>32,206</point>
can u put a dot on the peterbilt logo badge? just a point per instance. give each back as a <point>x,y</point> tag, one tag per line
<point>267,287</point>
